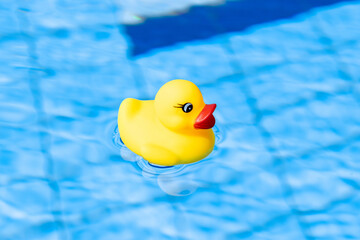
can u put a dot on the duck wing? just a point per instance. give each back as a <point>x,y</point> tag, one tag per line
<point>159,155</point>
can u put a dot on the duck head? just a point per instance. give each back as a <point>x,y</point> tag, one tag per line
<point>179,106</point>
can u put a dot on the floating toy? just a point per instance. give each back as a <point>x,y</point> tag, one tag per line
<point>175,128</point>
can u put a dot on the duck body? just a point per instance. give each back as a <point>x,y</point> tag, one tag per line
<point>166,140</point>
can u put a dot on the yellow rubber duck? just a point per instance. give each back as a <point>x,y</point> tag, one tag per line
<point>175,128</point>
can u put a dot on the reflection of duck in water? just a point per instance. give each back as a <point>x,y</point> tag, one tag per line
<point>175,128</point>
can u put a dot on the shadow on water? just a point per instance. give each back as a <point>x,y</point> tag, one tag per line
<point>202,22</point>
<point>179,180</point>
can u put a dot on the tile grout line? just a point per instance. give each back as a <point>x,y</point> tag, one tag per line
<point>138,76</point>
<point>341,65</point>
<point>265,135</point>
<point>44,136</point>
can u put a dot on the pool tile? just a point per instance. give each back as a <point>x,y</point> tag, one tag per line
<point>243,146</point>
<point>318,124</point>
<point>261,48</point>
<point>258,196</point>
<point>323,179</point>
<point>284,227</point>
<point>159,67</point>
<point>231,100</point>
<point>21,162</point>
<point>27,197</point>
<point>341,18</point>
<point>340,221</point>
<point>292,83</point>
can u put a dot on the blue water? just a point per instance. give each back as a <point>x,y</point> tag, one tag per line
<point>286,164</point>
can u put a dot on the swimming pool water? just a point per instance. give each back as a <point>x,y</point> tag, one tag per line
<point>286,162</point>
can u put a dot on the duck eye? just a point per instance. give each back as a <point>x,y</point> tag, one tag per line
<point>187,107</point>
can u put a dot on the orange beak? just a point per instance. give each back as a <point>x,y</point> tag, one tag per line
<point>206,119</point>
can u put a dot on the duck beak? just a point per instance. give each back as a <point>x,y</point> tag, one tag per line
<point>206,119</point>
